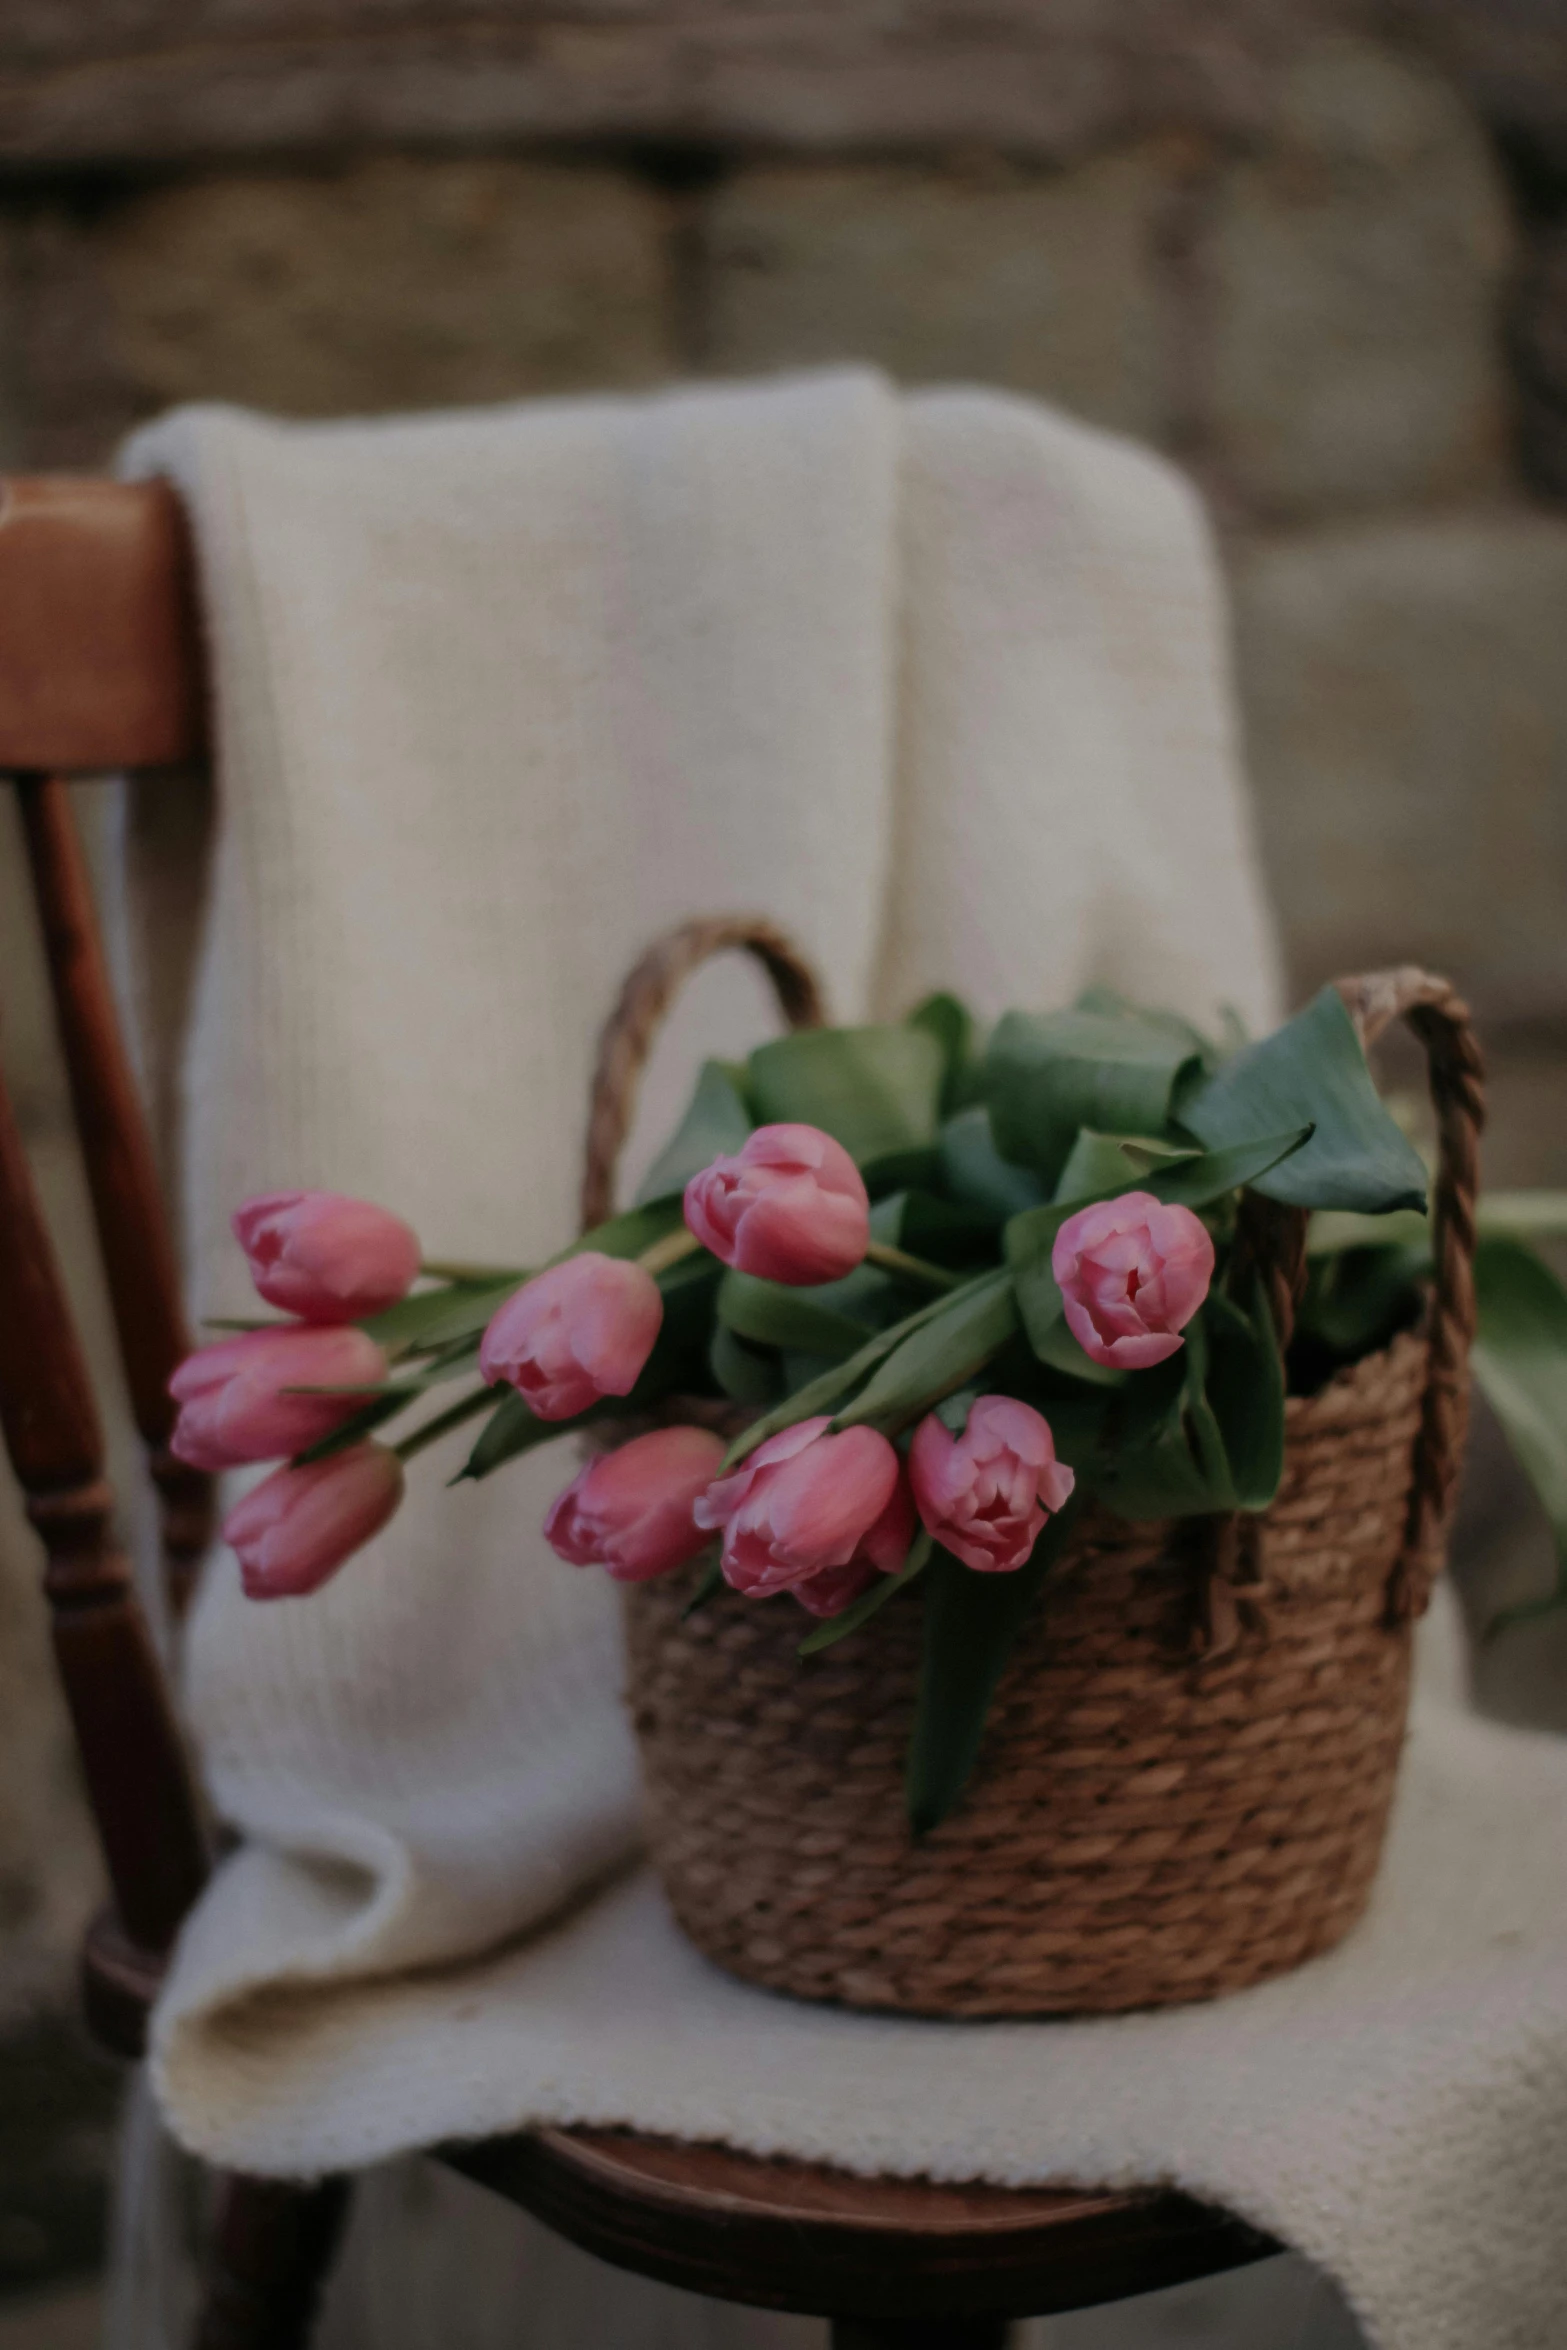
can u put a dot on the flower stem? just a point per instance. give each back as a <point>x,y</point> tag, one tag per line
<point>443,1423</point>
<point>441,1270</point>
<point>897,1260</point>
<point>669,1251</point>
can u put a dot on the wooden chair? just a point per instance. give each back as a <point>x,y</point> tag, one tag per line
<point>101,670</point>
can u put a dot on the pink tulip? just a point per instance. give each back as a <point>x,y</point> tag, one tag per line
<point>789,1207</point>
<point>324,1257</point>
<point>630,1511</point>
<point>233,1399</point>
<point>581,1330</point>
<point>297,1526</point>
<point>805,1502</point>
<point>881,1552</point>
<point>985,1495</point>
<point>1132,1273</point>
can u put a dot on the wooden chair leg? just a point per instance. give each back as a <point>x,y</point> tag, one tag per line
<point>273,2246</point>
<point>975,2333</point>
<point>138,1779</point>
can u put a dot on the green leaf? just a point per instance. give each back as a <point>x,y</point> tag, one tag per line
<point>892,1172</point>
<point>454,1363</point>
<point>770,1314</point>
<point>433,1318</point>
<point>949,1231</point>
<point>1102,1166</point>
<point>628,1234</point>
<point>511,1429</point>
<point>1097,1167</point>
<point>948,1348</point>
<point>1166,1459</point>
<point>976,1172</point>
<point>1520,1365</point>
<point>1333,1230</point>
<point>971,1626</point>
<point>1146,1158</point>
<point>746,1374</point>
<point>1245,1387</point>
<point>380,1409</point>
<point>1198,1182</point>
<point>1204,1430</point>
<point>871,1602</point>
<point>878,1090</point>
<point>679,1360</point>
<point>1174,1024</point>
<point>1048,1074</point>
<point>1311,1071</point>
<point>1027,1243</point>
<point>709,1582</point>
<point>825,1391</point>
<point>954,1409</point>
<point>952,1025</point>
<point>1358,1297</point>
<point>1054,1344</point>
<point>716,1123</point>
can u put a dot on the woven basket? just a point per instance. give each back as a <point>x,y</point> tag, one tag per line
<point>1185,1780</point>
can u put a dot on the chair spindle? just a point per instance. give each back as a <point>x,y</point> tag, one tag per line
<point>133,1233</point>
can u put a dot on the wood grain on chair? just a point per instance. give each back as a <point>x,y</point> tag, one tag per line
<point>100,655</point>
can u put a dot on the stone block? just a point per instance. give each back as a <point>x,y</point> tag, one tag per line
<point>1539,340</point>
<point>1357,266</point>
<point>400,283</point>
<point>1043,284</point>
<point>1406,708</point>
<point>103,82</point>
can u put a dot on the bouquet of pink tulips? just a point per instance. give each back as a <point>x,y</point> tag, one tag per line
<point>893,1303</point>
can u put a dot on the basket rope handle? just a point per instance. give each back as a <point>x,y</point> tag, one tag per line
<point>1276,1237</point>
<point>627,1035</point>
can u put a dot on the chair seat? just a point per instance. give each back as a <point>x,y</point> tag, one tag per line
<point>823,2243</point>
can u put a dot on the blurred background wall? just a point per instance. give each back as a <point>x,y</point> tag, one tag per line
<point>1318,252</point>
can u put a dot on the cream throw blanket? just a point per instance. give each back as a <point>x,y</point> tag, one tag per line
<point>940,684</point>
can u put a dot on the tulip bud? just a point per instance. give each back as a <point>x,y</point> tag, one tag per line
<point>880,1552</point>
<point>324,1257</point>
<point>985,1494</point>
<point>630,1511</point>
<point>297,1526</point>
<point>804,1503</point>
<point>233,1401</point>
<point>1132,1272</point>
<point>788,1207</point>
<point>581,1330</point>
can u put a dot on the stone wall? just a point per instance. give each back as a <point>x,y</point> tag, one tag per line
<point>1319,254</point>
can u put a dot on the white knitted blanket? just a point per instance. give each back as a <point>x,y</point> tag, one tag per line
<point>940,684</point>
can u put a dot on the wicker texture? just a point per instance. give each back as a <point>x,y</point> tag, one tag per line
<point>1141,1827</point>
<point>1185,1779</point>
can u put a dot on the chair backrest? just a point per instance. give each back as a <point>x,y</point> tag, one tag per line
<point>100,672</point>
